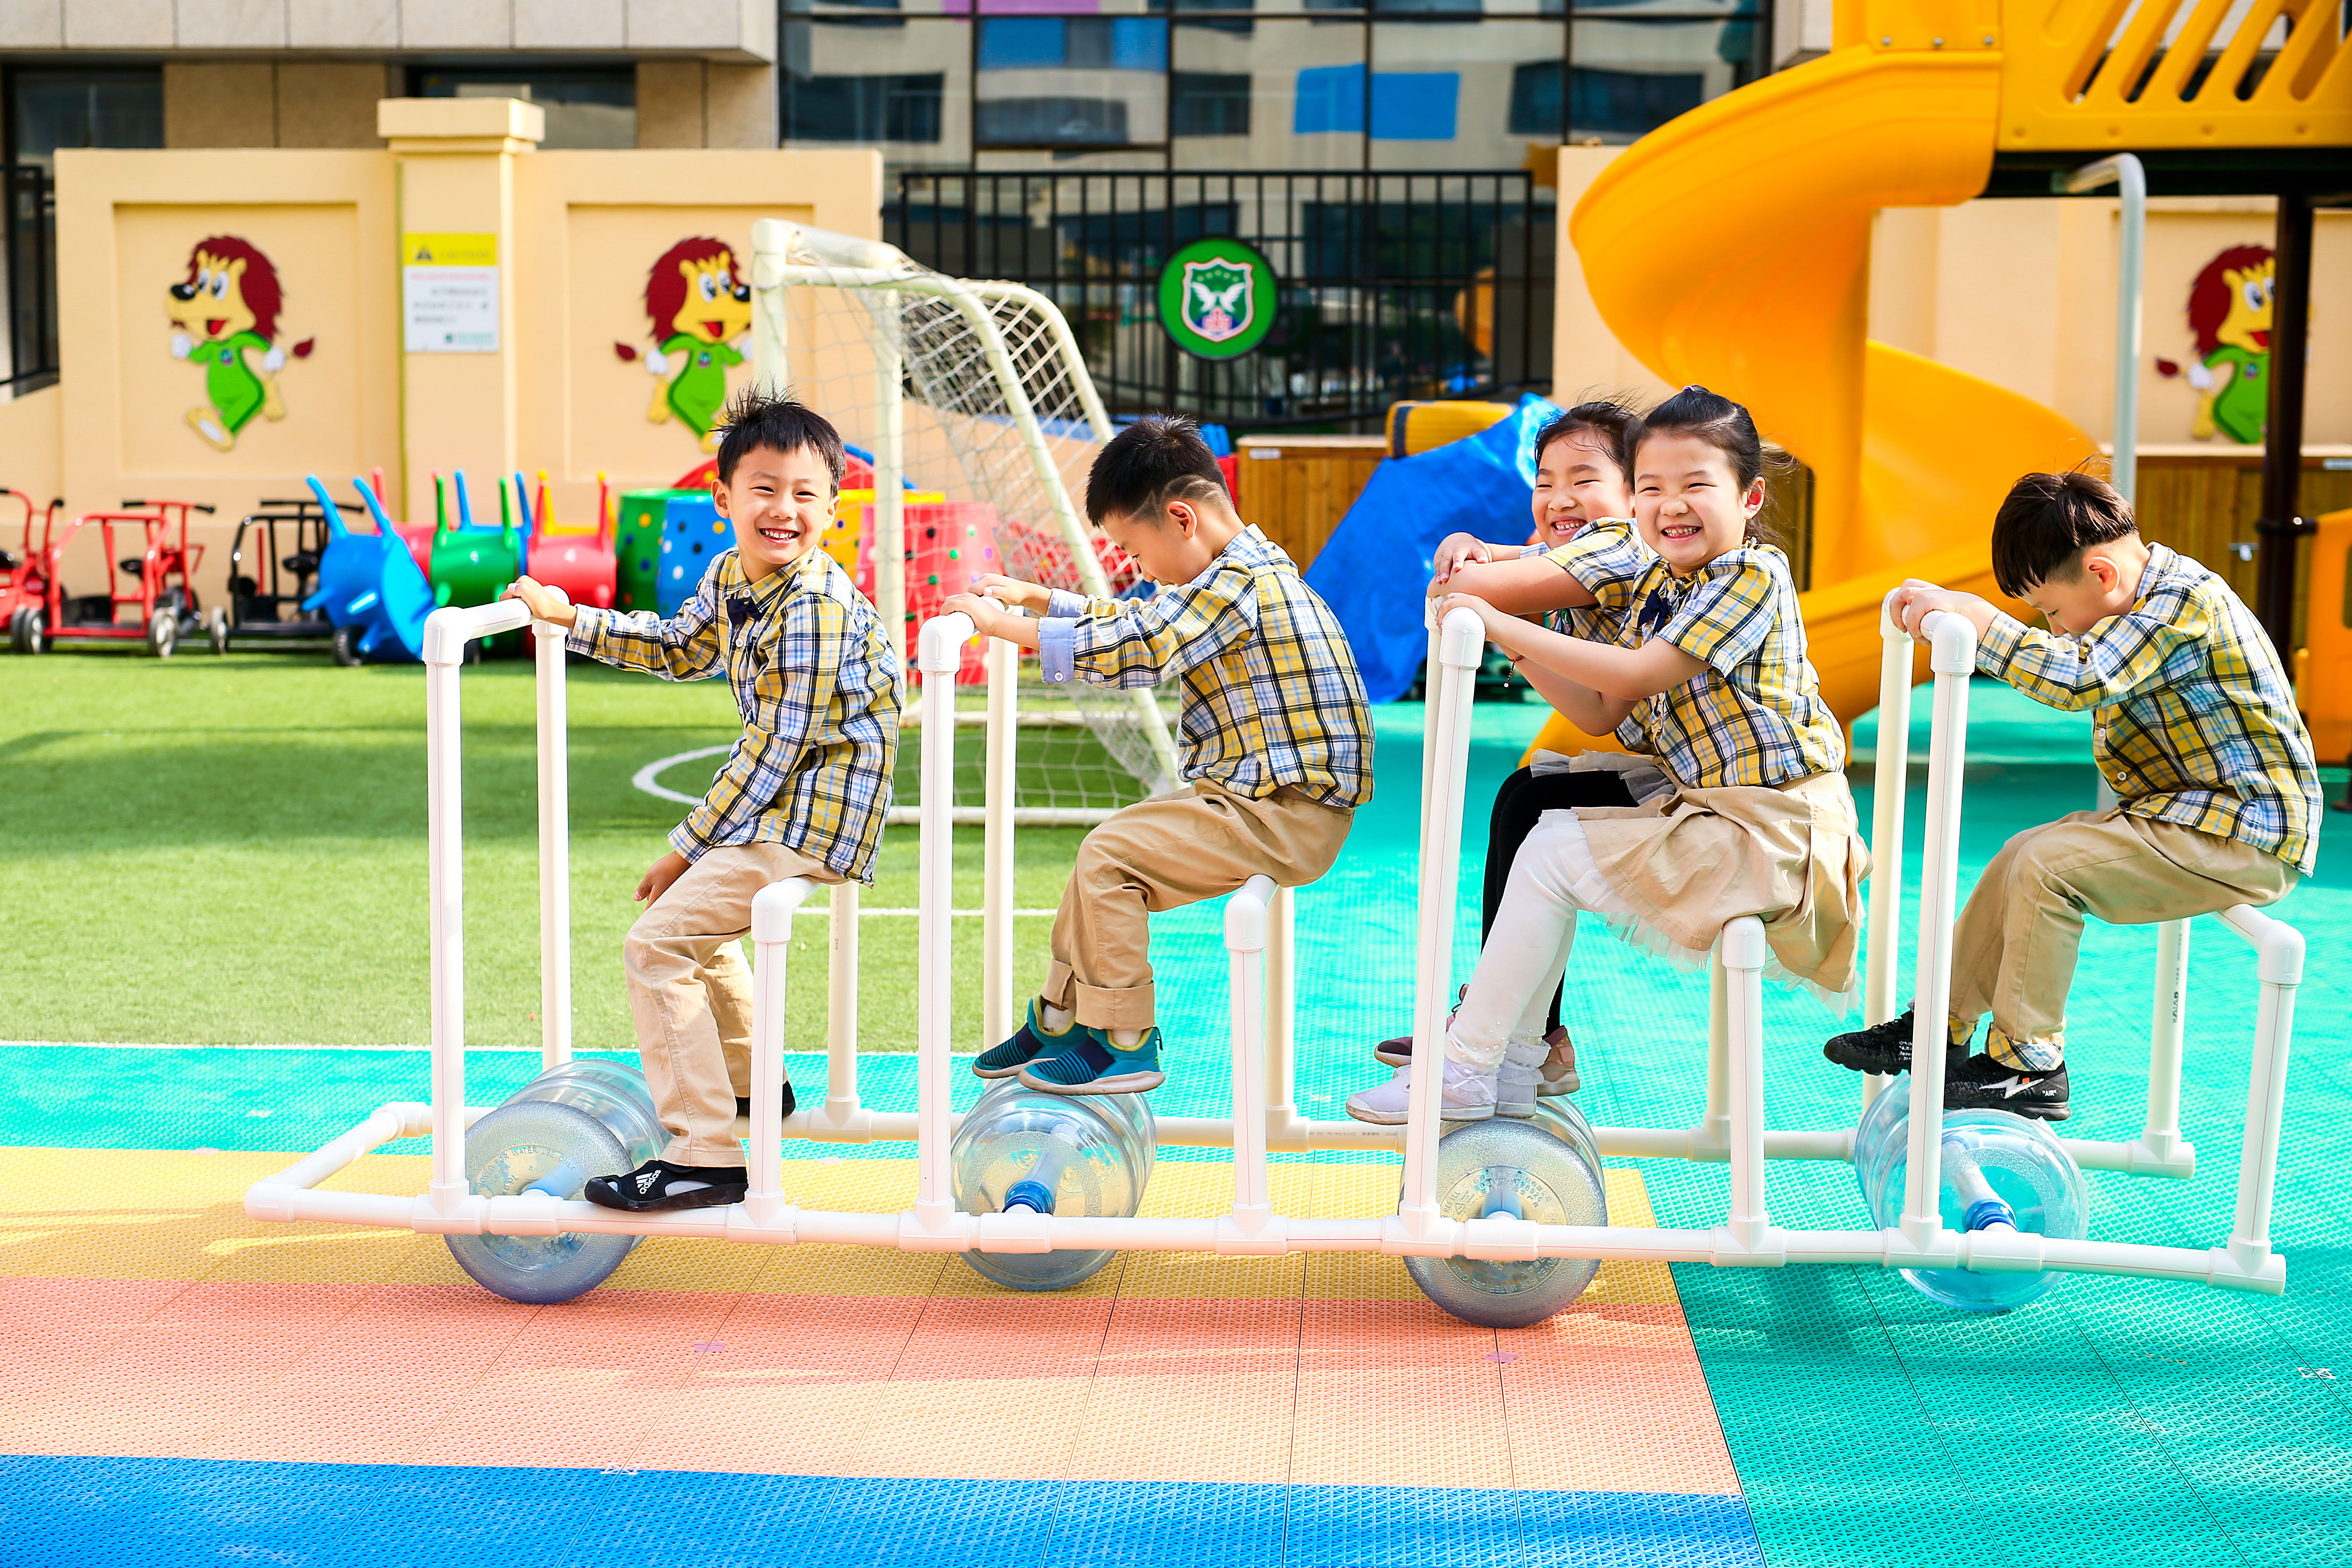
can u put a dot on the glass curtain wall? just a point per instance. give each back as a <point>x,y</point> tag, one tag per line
<point>1073,86</point>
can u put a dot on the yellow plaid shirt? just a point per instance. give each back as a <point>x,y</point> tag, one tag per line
<point>1755,715</point>
<point>817,685</point>
<point>2194,721</point>
<point>1271,693</point>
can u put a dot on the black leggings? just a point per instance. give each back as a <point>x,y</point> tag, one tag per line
<point>1523,798</point>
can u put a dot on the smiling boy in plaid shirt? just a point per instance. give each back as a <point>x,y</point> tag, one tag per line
<point>2197,733</point>
<point>803,794</point>
<point>1277,744</point>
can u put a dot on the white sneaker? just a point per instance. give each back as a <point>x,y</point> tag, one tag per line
<point>1515,1088</point>
<point>1469,1096</point>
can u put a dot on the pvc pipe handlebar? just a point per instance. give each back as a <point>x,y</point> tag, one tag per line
<point>448,630</point>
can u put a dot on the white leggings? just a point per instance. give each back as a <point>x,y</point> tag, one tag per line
<point>1553,879</point>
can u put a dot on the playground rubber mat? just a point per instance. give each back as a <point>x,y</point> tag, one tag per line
<point>346,1397</point>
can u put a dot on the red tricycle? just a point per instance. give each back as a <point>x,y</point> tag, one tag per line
<point>24,572</point>
<point>163,591</point>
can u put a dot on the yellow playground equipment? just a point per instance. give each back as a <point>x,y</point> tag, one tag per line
<point>1764,199</point>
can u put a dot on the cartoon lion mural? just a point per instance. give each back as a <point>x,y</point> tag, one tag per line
<point>700,310</point>
<point>2230,313</point>
<point>225,309</point>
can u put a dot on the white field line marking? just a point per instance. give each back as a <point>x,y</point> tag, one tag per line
<point>645,778</point>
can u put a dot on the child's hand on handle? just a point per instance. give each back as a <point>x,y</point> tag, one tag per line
<point>1488,617</point>
<point>1916,600</point>
<point>1456,551</point>
<point>660,875</point>
<point>1009,591</point>
<point>543,602</point>
<point>990,618</point>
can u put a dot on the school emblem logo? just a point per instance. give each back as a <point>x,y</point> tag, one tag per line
<point>1217,297</point>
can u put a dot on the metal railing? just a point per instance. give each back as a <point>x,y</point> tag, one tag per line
<point>1391,285</point>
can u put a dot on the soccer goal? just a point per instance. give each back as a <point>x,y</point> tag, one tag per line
<point>955,391</point>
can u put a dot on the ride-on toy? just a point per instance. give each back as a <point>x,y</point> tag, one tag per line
<point>1500,1224</point>
<point>23,580</point>
<point>370,587</point>
<point>266,588</point>
<point>162,595</point>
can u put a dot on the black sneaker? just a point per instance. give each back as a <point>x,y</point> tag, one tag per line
<point>743,1103</point>
<point>1981,1083</point>
<point>659,1184</point>
<point>1883,1048</point>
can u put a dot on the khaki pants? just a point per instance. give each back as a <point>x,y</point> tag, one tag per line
<point>691,994</point>
<point>1162,855</point>
<point>2013,950</point>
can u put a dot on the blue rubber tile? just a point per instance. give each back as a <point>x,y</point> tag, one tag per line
<point>1635,1530</point>
<point>1106,1525</point>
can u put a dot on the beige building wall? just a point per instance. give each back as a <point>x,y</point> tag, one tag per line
<point>264,103</point>
<point>2022,293</point>
<point>703,103</point>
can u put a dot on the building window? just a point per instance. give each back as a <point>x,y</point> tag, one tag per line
<point>584,108</point>
<point>54,109</point>
<point>1051,122</point>
<point>1209,104</point>
<point>865,108</point>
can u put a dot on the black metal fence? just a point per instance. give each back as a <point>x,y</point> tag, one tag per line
<point>28,230</point>
<point>1391,285</point>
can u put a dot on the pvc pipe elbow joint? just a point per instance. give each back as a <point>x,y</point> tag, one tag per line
<point>937,649</point>
<point>1462,640</point>
<point>1889,627</point>
<point>1245,915</point>
<point>546,630</point>
<point>772,907</point>
<point>1743,943</point>
<point>447,630</point>
<point>1952,644</point>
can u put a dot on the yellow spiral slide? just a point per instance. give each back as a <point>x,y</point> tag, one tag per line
<point>1731,246</point>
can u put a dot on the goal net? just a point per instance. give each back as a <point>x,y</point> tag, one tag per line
<point>973,421</point>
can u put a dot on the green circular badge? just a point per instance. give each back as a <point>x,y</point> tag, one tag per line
<point>1217,297</point>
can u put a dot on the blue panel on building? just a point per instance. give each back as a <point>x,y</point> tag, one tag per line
<point>1330,97</point>
<point>1415,106</point>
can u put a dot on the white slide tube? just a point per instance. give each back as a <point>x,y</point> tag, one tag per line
<point>554,849</point>
<point>940,650</point>
<point>1951,644</point>
<point>1461,638</point>
<point>771,945</point>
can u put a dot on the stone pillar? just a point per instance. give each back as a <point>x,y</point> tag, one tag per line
<point>454,173</point>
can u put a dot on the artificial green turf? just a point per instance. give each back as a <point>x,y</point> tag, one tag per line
<point>232,851</point>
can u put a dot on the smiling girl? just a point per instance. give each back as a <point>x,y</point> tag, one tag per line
<point>1580,479</point>
<point>1733,802</point>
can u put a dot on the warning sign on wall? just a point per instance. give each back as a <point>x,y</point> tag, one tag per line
<point>449,293</point>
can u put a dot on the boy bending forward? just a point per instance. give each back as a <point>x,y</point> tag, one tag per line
<point>2197,733</point>
<point>1277,744</point>
<point>802,792</point>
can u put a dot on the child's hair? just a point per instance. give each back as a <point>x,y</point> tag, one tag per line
<point>1725,426</point>
<point>1611,421</point>
<point>2048,520</point>
<point>1158,459</point>
<point>755,419</point>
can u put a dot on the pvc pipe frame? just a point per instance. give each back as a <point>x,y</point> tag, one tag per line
<point>1258,918</point>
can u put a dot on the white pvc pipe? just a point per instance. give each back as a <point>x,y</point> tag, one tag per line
<point>2167,1032</point>
<point>1460,640</point>
<point>1889,783</point>
<point>1739,954</point>
<point>1715,1125</point>
<point>889,513</point>
<point>998,1015</point>
<point>554,850</point>
<point>772,944</point>
<point>841,1004</point>
<point>2125,172</point>
<point>1281,1009</point>
<point>2279,965</point>
<point>1246,925</point>
<point>1952,657</point>
<point>940,650</point>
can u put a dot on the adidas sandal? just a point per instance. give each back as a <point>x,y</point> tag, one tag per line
<point>659,1184</point>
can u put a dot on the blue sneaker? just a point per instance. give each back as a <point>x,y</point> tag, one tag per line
<point>1095,1066</point>
<point>1028,1042</point>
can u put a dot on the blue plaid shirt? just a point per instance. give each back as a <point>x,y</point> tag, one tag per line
<point>817,685</point>
<point>1271,693</point>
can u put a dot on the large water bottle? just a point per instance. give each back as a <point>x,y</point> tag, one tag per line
<point>1998,1168</point>
<point>589,1117</point>
<point>1086,1154</point>
<point>1546,1169</point>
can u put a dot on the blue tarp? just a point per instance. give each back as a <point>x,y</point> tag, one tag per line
<point>1375,569</point>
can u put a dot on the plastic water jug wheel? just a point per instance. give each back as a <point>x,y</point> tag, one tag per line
<point>1510,1167</point>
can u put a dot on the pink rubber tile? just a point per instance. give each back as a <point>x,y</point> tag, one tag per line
<point>1193,1390</point>
<point>990,1386</point>
<point>1396,1394</point>
<point>1611,1398</point>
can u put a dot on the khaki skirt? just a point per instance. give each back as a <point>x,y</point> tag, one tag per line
<point>1687,862</point>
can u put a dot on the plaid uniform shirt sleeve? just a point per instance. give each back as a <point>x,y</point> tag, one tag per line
<point>1125,643</point>
<point>2122,655</point>
<point>786,704</point>
<point>1726,614</point>
<point>688,646</point>
<point>1609,561</point>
